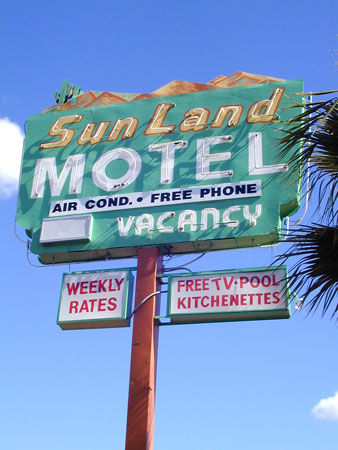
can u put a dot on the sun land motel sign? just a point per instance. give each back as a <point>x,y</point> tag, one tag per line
<point>191,172</point>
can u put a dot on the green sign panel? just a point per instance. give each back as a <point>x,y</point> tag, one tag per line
<point>190,172</point>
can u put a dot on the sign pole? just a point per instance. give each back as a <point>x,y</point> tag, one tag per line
<point>142,381</point>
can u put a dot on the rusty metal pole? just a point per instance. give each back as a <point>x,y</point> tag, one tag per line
<point>142,381</point>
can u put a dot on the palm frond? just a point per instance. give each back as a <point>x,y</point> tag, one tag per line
<point>311,141</point>
<point>315,273</point>
<point>315,131</point>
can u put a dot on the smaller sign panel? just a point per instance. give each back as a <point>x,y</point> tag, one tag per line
<point>248,294</point>
<point>95,299</point>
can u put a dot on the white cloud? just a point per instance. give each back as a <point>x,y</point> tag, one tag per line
<point>327,409</point>
<point>11,139</point>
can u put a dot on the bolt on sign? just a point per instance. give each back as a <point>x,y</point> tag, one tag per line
<point>247,294</point>
<point>95,299</point>
<point>191,172</point>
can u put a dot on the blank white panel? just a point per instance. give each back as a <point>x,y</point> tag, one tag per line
<point>63,229</point>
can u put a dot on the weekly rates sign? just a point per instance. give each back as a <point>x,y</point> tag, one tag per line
<point>190,172</point>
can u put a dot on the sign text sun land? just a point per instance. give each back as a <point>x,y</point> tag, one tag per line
<point>191,172</point>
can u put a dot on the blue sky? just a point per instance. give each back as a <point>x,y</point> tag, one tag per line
<point>249,385</point>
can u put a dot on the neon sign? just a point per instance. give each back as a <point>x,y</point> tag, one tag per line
<point>190,172</point>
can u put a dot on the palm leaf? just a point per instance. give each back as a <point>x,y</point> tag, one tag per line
<point>315,271</point>
<point>315,131</point>
<point>311,140</point>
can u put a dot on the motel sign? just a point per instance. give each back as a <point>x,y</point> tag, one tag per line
<point>190,173</point>
<point>151,175</point>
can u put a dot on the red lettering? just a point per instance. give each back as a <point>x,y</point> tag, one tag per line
<point>274,281</point>
<point>189,285</point>
<point>73,305</point>
<point>102,286</point>
<point>251,296</point>
<point>205,284</point>
<point>180,284</point>
<point>266,283</point>
<point>180,303</point>
<point>111,288</point>
<point>234,300</point>
<point>112,306</point>
<point>84,287</point>
<point>243,281</point>
<point>198,284</point>
<point>254,282</point>
<point>259,295</point>
<point>243,299</point>
<point>267,296</point>
<point>203,299</point>
<point>92,287</point>
<point>196,301</point>
<point>226,284</point>
<point>102,304</point>
<point>84,307</point>
<point>73,288</point>
<point>225,300</point>
<point>216,281</point>
<point>119,282</point>
<point>92,303</point>
<point>215,299</point>
<point>276,297</point>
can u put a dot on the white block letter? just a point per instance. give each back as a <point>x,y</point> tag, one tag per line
<point>47,166</point>
<point>168,158</point>
<point>204,158</point>
<point>105,183</point>
<point>256,158</point>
